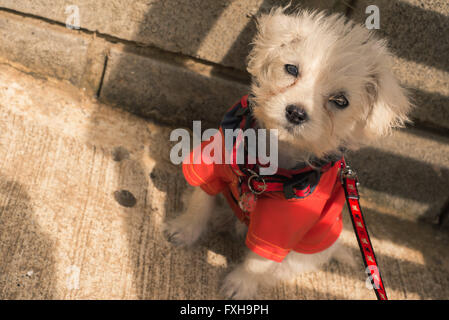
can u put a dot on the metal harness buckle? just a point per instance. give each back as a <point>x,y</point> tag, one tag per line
<point>257,177</point>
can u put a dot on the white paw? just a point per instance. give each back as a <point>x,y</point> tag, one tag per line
<point>181,231</point>
<point>238,286</point>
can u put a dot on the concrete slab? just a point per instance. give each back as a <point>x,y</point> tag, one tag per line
<point>63,235</point>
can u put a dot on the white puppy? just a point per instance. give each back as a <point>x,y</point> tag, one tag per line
<point>325,83</point>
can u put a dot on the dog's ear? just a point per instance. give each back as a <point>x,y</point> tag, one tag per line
<point>272,28</point>
<point>389,103</point>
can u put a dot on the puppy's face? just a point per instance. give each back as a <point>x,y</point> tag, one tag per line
<point>323,82</point>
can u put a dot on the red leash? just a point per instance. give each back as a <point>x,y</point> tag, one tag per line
<point>349,181</point>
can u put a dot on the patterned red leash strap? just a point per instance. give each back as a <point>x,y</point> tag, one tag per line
<point>349,181</point>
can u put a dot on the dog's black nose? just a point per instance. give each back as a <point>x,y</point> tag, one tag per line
<point>295,114</point>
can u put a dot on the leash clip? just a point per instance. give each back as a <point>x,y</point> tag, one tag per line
<point>351,188</point>
<point>346,172</point>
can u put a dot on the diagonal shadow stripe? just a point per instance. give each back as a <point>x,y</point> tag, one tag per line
<point>414,33</point>
<point>403,177</point>
<point>431,110</point>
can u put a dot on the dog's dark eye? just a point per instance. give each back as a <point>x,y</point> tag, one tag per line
<point>291,69</point>
<point>339,101</point>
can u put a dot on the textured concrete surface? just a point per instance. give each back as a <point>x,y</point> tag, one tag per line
<point>417,33</point>
<point>218,31</point>
<point>168,92</point>
<point>408,173</point>
<point>52,51</point>
<point>85,188</point>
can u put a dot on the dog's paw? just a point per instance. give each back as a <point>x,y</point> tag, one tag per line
<point>180,232</point>
<point>237,286</point>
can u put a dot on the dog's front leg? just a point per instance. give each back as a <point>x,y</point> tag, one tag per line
<point>187,228</point>
<point>244,280</point>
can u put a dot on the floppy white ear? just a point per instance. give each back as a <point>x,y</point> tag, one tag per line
<point>272,28</point>
<point>390,104</point>
<point>273,25</point>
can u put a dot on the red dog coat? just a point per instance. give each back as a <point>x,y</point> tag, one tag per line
<point>305,218</point>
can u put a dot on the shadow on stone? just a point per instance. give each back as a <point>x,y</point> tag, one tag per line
<point>417,35</point>
<point>402,179</point>
<point>426,277</point>
<point>27,270</point>
<point>414,33</point>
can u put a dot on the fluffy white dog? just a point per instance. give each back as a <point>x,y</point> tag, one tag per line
<point>325,83</point>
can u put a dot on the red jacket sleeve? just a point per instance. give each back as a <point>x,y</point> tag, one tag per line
<point>202,174</point>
